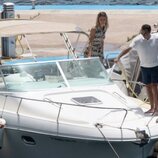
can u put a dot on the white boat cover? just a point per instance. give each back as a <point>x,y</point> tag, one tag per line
<point>18,27</point>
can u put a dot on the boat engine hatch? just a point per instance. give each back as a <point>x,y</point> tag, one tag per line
<point>86,100</point>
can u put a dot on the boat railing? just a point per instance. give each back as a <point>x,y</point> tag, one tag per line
<point>71,49</point>
<point>88,106</point>
<point>109,58</point>
<point>61,104</point>
<point>133,85</point>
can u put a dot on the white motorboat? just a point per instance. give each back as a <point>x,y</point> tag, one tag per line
<point>69,108</point>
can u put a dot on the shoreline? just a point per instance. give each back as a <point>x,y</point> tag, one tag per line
<point>89,6</point>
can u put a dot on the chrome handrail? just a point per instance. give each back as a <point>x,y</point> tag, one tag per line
<point>67,104</point>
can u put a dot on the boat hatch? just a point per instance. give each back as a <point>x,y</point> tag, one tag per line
<point>86,100</point>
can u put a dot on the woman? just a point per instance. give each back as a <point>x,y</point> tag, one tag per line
<point>96,38</point>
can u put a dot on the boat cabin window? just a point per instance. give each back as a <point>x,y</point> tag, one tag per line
<point>53,74</point>
<point>85,72</point>
<point>28,77</point>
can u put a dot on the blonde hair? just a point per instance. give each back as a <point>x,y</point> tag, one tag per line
<point>102,14</point>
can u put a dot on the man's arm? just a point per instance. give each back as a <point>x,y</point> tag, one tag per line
<point>125,51</point>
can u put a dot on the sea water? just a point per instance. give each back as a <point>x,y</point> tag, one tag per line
<point>84,2</point>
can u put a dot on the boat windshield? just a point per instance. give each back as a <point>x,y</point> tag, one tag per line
<point>53,74</point>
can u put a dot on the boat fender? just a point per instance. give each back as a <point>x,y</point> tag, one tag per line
<point>2,122</point>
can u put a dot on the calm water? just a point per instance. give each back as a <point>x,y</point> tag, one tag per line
<point>84,2</point>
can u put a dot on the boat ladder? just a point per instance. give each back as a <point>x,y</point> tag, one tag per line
<point>68,45</point>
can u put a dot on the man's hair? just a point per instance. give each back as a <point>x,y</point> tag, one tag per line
<point>146,27</point>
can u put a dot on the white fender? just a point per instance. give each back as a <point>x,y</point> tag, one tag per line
<point>2,124</point>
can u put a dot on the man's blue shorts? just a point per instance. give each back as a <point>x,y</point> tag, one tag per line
<point>149,75</point>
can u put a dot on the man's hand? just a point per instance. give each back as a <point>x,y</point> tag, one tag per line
<point>116,60</point>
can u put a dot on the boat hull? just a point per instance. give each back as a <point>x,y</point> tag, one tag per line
<point>23,144</point>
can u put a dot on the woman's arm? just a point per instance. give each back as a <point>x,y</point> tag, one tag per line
<point>91,38</point>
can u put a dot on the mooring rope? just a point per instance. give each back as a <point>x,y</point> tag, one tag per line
<point>98,126</point>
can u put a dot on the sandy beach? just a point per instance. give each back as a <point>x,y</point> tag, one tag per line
<point>123,24</point>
